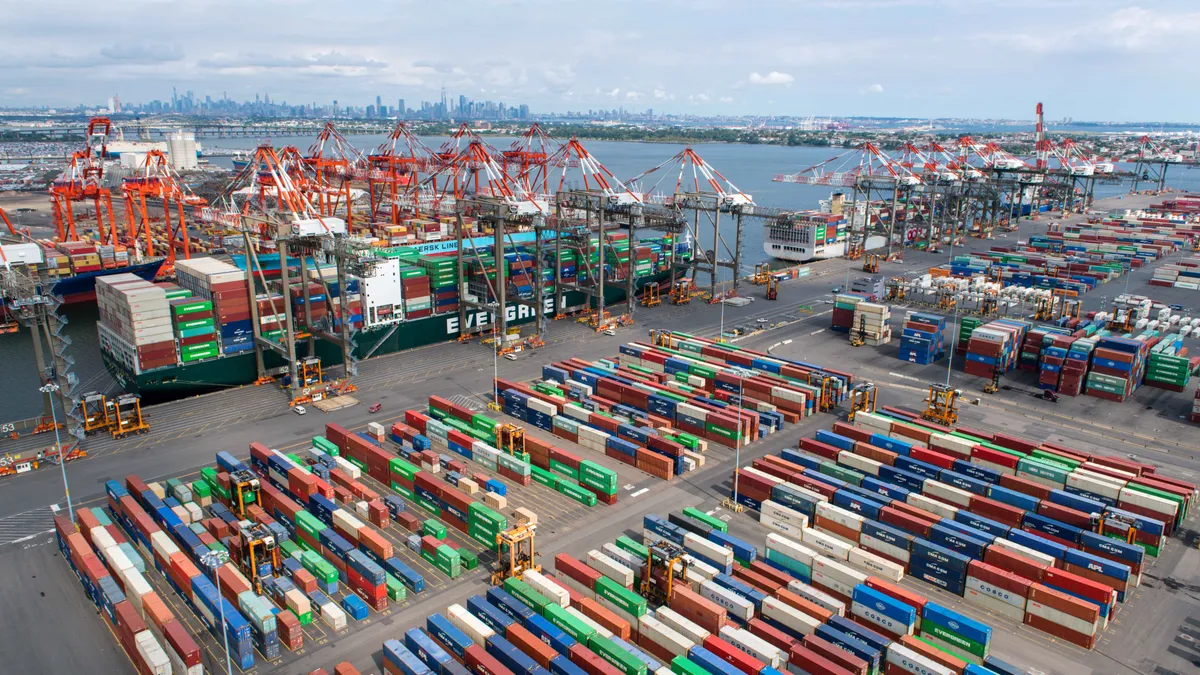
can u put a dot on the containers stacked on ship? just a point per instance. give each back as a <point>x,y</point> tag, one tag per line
<point>226,287</point>
<point>1118,367</point>
<point>443,281</point>
<point>923,338</point>
<point>135,322</point>
<point>416,292</point>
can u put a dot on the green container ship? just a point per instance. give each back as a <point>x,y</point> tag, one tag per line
<point>189,378</point>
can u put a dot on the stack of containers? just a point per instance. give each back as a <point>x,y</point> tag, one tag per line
<point>226,287</point>
<point>923,338</point>
<point>843,310</point>
<point>995,345</point>
<point>1118,367</point>
<point>521,268</point>
<point>415,292</point>
<point>1051,371</point>
<point>872,323</point>
<point>443,281</point>
<point>1168,366</point>
<point>195,328</point>
<point>83,256</point>
<point>318,302</point>
<point>1074,369</point>
<point>966,325</point>
<point>135,322</point>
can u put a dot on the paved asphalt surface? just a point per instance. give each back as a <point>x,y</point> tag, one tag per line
<point>52,628</point>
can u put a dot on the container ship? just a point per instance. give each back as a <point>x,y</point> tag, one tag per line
<point>74,266</point>
<point>808,236</point>
<point>169,340</point>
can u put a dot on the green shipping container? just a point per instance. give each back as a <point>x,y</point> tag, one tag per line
<point>948,647</point>
<point>622,597</point>
<point>395,589</point>
<point>569,624</point>
<point>622,660</point>
<point>200,489</point>
<point>309,523</point>
<point>326,446</point>
<point>953,639</point>
<point>702,517</point>
<point>469,560</point>
<point>563,470</point>
<point>434,529</point>
<point>408,494</point>
<point>525,593</point>
<point>628,544</point>
<point>402,468</point>
<point>289,548</point>
<point>319,567</point>
<point>681,665</point>
<point>577,493</point>
<point>842,473</point>
<point>544,477</point>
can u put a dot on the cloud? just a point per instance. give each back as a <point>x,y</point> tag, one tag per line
<point>312,61</point>
<point>725,99</point>
<point>559,76</point>
<point>151,52</point>
<point>663,95</point>
<point>614,93</point>
<point>872,89</point>
<point>702,97</point>
<point>633,95</point>
<point>772,78</point>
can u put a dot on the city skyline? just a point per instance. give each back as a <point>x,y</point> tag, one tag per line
<point>897,58</point>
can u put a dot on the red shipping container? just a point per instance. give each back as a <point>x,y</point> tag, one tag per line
<point>997,511</point>
<point>934,457</point>
<point>305,581</point>
<point>1079,586</point>
<point>180,640</point>
<point>482,663</point>
<point>818,448</point>
<point>1060,631</point>
<point>756,580</point>
<point>590,662</point>
<point>1021,445</point>
<point>914,600</point>
<point>1026,486</point>
<point>700,611</point>
<point>733,656</point>
<point>344,668</point>
<point>905,521</point>
<point>578,571</point>
<point>525,641</point>
<point>1000,578</point>
<point>773,635</point>
<point>994,456</point>
<point>605,617</point>
<point>836,660</point>
<point>774,574</point>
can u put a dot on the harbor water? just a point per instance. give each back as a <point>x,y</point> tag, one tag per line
<point>750,167</point>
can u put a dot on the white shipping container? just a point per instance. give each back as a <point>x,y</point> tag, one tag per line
<point>780,512</point>
<point>832,584</point>
<point>622,556</point>
<point>859,463</point>
<point>908,660</point>
<point>116,559</point>
<point>949,493</point>
<point>152,653</point>
<point>362,509</point>
<point>604,602</point>
<point>786,615</point>
<point>101,539</point>
<point>952,444</point>
<point>743,640</point>
<point>875,565</point>
<point>758,473</point>
<point>826,543</point>
<point>782,527</point>
<point>680,624</point>
<point>1095,483</point>
<point>996,593</point>
<point>886,548</point>
<point>610,568</point>
<point>990,603</point>
<point>1148,501</point>
<point>1052,484</point>
<point>840,516</point>
<point>1062,618</point>
<point>548,588</point>
<point>792,549</point>
<point>658,632</point>
<point>1014,547</point>
<point>542,407</point>
<point>700,569</point>
<point>1091,466</point>
<point>163,545</point>
<point>703,547</point>
<point>333,616</point>
<point>1008,471</point>
<point>463,620</point>
<point>194,511</point>
<point>735,604</point>
<point>347,522</point>
<point>872,421</point>
<point>931,505</point>
<point>840,570</point>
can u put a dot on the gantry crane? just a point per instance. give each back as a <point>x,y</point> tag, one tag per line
<point>156,180</point>
<point>942,405</point>
<point>334,163</point>
<point>863,398</point>
<point>395,170</point>
<point>517,553</point>
<point>666,562</point>
<point>81,180</point>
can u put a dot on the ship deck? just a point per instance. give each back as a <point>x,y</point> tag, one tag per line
<point>1153,628</point>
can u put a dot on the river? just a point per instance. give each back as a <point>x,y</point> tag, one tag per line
<point>750,167</point>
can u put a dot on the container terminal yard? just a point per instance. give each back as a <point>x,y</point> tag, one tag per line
<point>379,523</point>
<point>1151,631</point>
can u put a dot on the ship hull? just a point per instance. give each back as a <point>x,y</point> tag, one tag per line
<point>801,254</point>
<point>211,375</point>
<point>81,288</point>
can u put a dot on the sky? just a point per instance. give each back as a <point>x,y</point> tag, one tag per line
<point>1085,59</point>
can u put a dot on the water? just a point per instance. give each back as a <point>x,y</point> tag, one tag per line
<point>750,167</point>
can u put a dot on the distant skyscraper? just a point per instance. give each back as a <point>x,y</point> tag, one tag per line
<point>378,102</point>
<point>401,111</point>
<point>462,104</point>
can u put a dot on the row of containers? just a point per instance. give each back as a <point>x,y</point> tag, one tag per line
<point>923,338</point>
<point>1022,535</point>
<point>657,406</point>
<point>1181,274</point>
<point>1089,359</point>
<point>324,520</point>
<point>724,615</point>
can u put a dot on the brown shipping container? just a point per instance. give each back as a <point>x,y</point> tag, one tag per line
<point>534,648</point>
<point>1061,632</point>
<point>840,657</point>
<point>703,612</point>
<point>934,654</point>
<point>812,609</point>
<point>605,617</point>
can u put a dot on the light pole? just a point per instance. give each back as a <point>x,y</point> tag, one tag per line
<point>953,345</point>
<point>215,559</point>
<point>495,355</point>
<point>733,504</point>
<point>51,389</point>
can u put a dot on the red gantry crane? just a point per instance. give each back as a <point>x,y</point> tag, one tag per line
<point>156,180</point>
<point>82,180</point>
<point>394,171</point>
<point>334,163</point>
